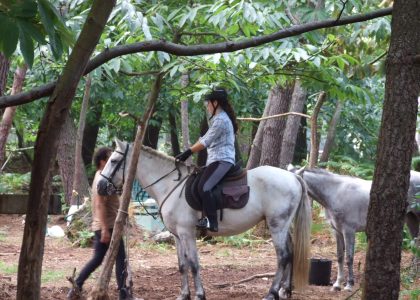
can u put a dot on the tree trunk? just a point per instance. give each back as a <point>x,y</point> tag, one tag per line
<point>274,128</point>
<point>313,157</point>
<point>185,120</point>
<point>30,260</point>
<point>151,137</point>
<point>255,154</point>
<point>301,148</point>
<point>4,70</point>
<point>392,170</point>
<point>78,193</point>
<point>90,134</point>
<point>66,162</point>
<point>331,132</point>
<point>9,112</point>
<point>173,133</point>
<point>100,290</point>
<point>292,126</point>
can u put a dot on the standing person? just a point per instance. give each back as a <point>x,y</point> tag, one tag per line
<point>220,143</point>
<point>104,213</point>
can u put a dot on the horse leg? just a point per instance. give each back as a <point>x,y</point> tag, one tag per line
<point>193,263</point>
<point>286,288</point>
<point>349,238</point>
<point>183,269</point>
<point>279,236</point>
<point>340,260</point>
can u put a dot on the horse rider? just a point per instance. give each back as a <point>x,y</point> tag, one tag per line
<point>220,143</point>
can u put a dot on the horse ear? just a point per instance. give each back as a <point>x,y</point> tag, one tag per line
<point>119,144</point>
<point>300,171</point>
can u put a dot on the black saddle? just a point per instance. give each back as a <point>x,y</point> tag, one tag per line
<point>231,192</point>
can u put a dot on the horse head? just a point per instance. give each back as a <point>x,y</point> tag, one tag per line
<point>113,174</point>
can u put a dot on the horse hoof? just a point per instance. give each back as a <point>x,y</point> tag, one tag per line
<point>200,297</point>
<point>348,288</point>
<point>183,297</point>
<point>335,288</point>
<point>285,293</point>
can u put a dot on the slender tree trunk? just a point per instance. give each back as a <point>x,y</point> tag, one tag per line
<point>255,154</point>
<point>390,184</point>
<point>292,125</point>
<point>185,120</point>
<point>274,128</point>
<point>9,112</point>
<point>313,157</point>
<point>332,128</point>
<point>78,193</point>
<point>90,134</point>
<point>202,155</point>
<point>100,290</point>
<point>4,70</point>
<point>173,133</point>
<point>30,260</point>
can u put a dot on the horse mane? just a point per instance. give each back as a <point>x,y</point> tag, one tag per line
<point>158,153</point>
<point>326,172</point>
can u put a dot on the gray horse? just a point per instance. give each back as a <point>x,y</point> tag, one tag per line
<point>346,202</point>
<point>276,195</point>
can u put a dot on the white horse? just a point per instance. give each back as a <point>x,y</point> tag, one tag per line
<point>346,203</point>
<point>275,194</point>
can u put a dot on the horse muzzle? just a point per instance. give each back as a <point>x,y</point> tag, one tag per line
<point>106,188</point>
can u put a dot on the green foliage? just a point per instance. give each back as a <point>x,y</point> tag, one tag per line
<point>31,21</point>
<point>348,166</point>
<point>11,183</point>
<point>361,241</point>
<point>415,163</point>
<point>85,238</point>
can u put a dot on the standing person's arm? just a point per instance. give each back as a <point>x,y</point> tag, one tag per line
<point>101,210</point>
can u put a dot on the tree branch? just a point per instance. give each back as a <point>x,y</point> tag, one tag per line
<point>199,49</point>
<point>151,72</point>
<point>274,116</point>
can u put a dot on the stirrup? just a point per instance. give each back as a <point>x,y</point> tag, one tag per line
<point>204,223</point>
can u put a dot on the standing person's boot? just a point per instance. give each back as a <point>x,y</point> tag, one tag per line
<point>74,293</point>
<point>124,294</point>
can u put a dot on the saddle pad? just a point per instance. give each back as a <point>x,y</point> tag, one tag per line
<point>229,193</point>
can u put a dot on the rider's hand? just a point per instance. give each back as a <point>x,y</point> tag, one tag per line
<point>105,236</point>
<point>184,155</point>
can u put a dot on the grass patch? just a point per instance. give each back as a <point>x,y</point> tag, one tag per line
<point>159,247</point>
<point>246,239</point>
<point>51,275</point>
<point>3,236</point>
<point>8,269</point>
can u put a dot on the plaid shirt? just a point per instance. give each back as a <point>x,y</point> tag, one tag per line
<point>219,139</point>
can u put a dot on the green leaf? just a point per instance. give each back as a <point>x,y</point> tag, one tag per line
<point>27,48</point>
<point>30,29</point>
<point>25,9</point>
<point>9,34</point>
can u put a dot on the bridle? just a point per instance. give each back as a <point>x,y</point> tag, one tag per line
<point>122,161</point>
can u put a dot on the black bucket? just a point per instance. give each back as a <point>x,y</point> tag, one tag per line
<point>320,271</point>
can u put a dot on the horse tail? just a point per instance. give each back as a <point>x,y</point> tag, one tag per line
<point>301,239</point>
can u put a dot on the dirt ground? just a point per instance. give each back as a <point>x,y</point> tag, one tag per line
<point>154,267</point>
